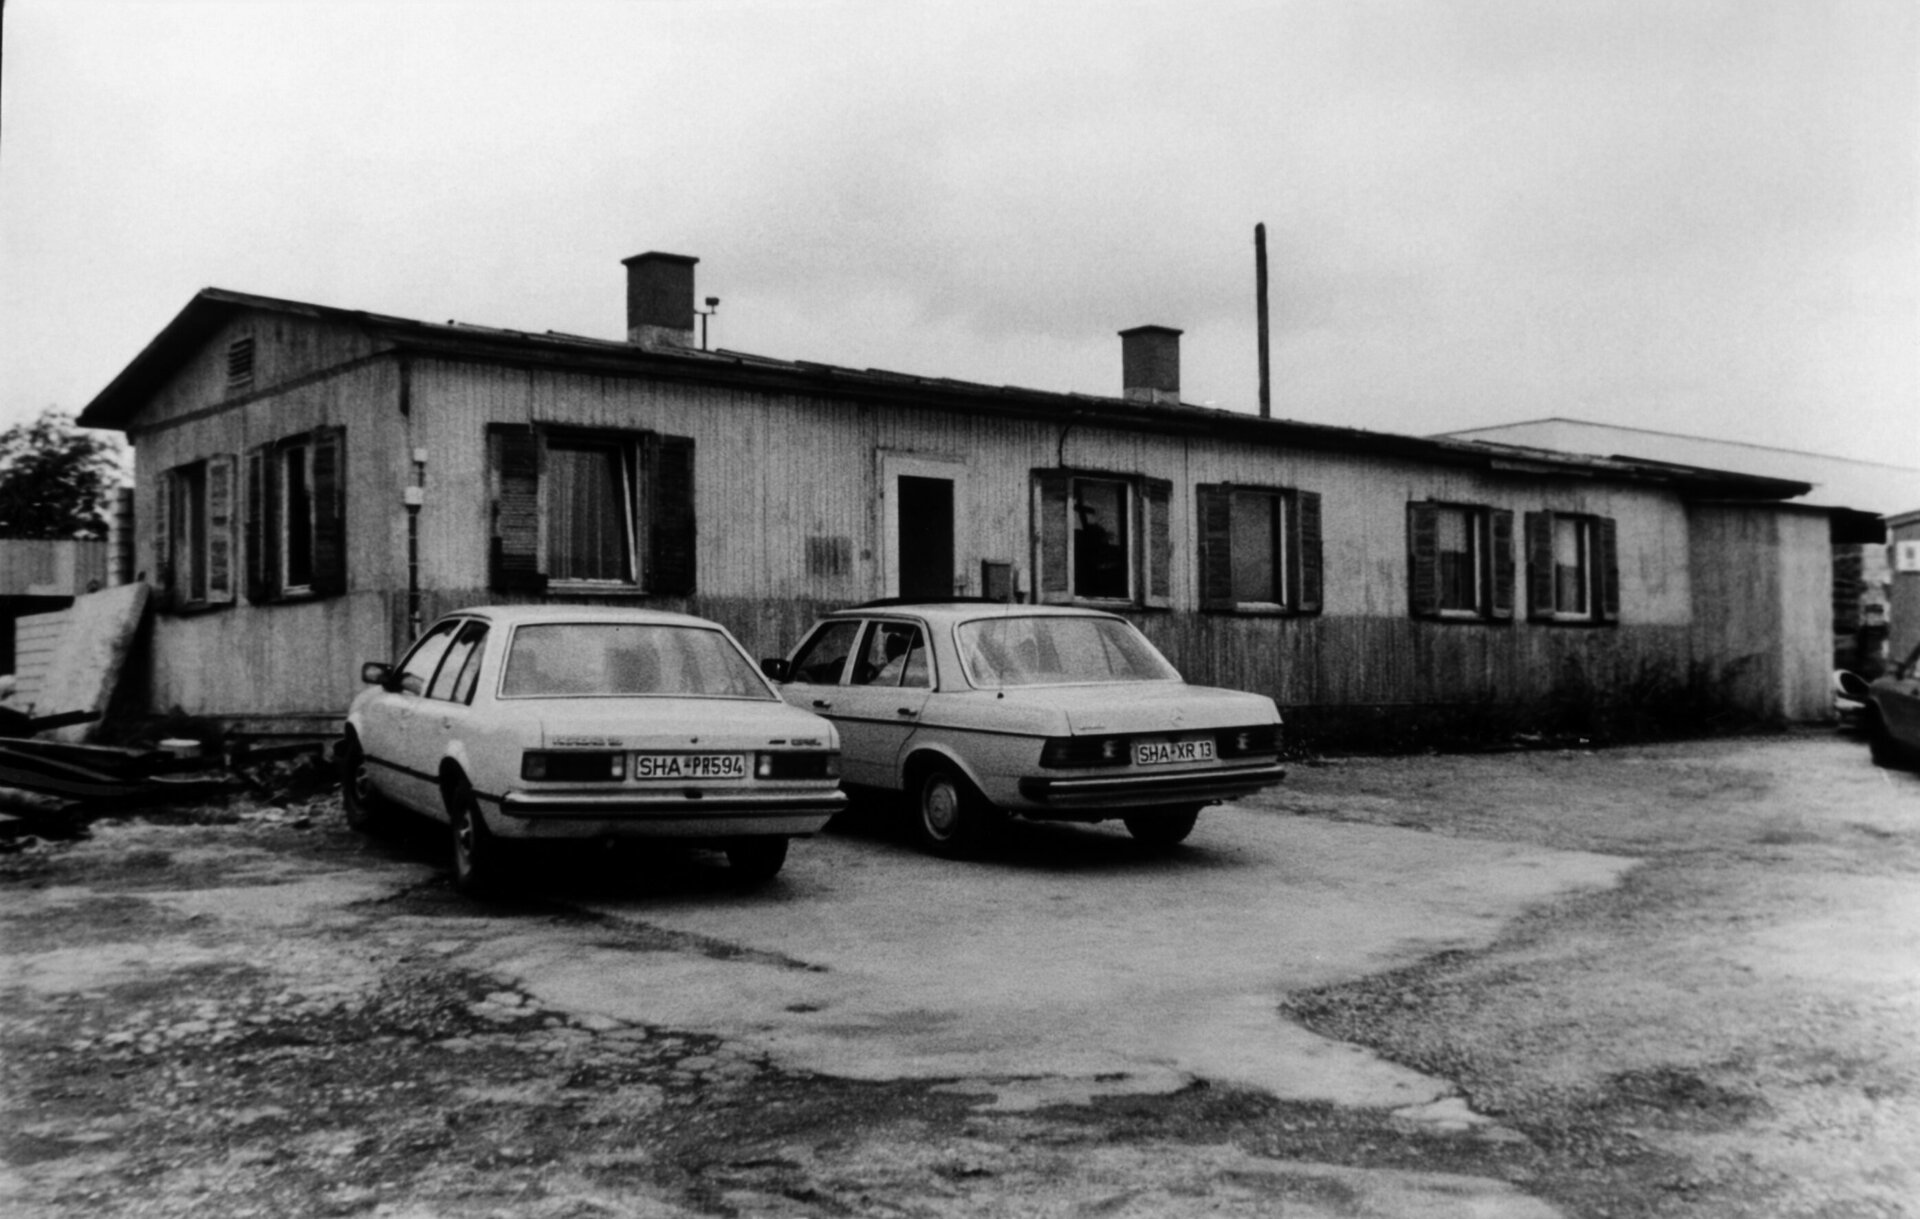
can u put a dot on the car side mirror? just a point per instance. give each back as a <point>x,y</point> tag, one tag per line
<point>775,668</point>
<point>374,673</point>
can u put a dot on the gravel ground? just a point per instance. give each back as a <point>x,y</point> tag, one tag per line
<point>1734,1030</point>
<point>1746,1005</point>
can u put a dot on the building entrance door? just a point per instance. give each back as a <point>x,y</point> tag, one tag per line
<point>926,537</point>
<point>925,496</point>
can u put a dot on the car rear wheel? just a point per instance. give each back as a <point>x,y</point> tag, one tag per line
<point>1880,743</point>
<point>753,862</point>
<point>950,818</point>
<point>367,811</point>
<point>476,853</point>
<point>1165,828</point>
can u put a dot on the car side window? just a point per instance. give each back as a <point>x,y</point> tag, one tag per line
<point>916,673</point>
<point>417,669</point>
<point>889,654</point>
<point>823,657</point>
<point>463,655</point>
<point>463,686</point>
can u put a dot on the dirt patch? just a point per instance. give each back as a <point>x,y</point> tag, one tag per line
<point>248,1010</point>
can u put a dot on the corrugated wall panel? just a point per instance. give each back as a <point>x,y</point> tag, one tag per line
<point>35,638</point>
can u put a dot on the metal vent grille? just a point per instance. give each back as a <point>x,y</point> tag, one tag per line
<point>829,556</point>
<point>240,363</point>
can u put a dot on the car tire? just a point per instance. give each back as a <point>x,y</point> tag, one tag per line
<point>367,811</point>
<point>476,852</point>
<point>950,819</point>
<point>1881,746</point>
<point>1163,829</point>
<point>752,862</point>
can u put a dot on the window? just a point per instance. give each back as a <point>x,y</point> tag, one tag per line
<point>195,534</point>
<point>296,517</point>
<point>590,523</point>
<point>824,657</point>
<point>1102,537</point>
<point>625,660</point>
<point>1460,559</point>
<point>589,511</point>
<point>417,669</point>
<point>296,510</point>
<point>893,656</point>
<point>1573,570</point>
<point>1016,650</point>
<point>1259,549</point>
<point>454,682</point>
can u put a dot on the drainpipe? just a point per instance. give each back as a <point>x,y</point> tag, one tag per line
<point>414,495</point>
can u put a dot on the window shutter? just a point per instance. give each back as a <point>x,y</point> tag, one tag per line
<point>1539,564</point>
<point>263,552</point>
<point>1607,568</point>
<point>1052,564</point>
<point>1308,578</point>
<point>1156,496</point>
<point>329,512</point>
<point>220,579</point>
<point>1423,559</point>
<point>1216,546</point>
<point>1500,565</point>
<point>669,464</point>
<point>163,538</point>
<point>514,560</point>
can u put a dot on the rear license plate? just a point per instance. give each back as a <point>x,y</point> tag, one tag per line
<point>689,765</point>
<point>1160,753</point>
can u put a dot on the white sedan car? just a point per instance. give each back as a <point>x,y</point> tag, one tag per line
<point>976,711</point>
<point>554,722</point>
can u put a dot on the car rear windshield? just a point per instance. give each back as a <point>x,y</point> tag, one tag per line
<point>1044,651</point>
<point>584,659</point>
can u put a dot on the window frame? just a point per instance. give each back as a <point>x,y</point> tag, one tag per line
<point>657,502</point>
<point>869,637</point>
<point>1490,531</point>
<point>272,576</point>
<point>294,453</point>
<point>1148,548</point>
<point>1598,538</point>
<point>195,525</point>
<point>448,629</point>
<point>625,450</point>
<point>1294,564</point>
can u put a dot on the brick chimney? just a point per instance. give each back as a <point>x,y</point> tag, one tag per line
<point>660,299</point>
<point>1150,364</point>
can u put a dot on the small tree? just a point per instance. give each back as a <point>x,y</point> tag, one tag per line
<point>55,478</point>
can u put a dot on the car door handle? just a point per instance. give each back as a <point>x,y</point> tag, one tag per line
<point>822,703</point>
<point>909,712</point>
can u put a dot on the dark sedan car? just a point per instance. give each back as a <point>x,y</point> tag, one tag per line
<point>1892,712</point>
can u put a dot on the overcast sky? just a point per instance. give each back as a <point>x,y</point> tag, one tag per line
<point>1683,215</point>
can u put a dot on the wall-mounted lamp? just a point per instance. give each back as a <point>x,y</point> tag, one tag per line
<point>713,306</point>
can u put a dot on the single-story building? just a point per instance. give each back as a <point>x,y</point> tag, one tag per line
<point>314,484</point>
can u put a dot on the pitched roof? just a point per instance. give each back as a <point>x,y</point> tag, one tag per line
<point>117,404</point>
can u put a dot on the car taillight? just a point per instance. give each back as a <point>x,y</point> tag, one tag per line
<point>572,767</point>
<point>1076,751</point>
<point>1254,738</point>
<point>791,765</point>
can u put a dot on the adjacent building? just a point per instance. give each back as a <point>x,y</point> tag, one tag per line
<point>313,484</point>
<point>1861,500</point>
